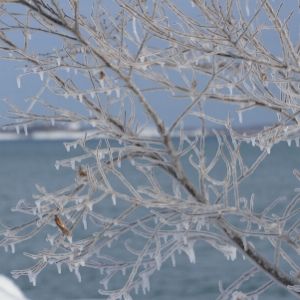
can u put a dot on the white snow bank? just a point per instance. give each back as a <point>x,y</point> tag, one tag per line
<point>9,290</point>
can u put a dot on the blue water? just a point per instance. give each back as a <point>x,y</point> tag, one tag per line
<point>24,163</point>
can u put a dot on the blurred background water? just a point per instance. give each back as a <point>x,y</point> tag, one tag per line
<point>25,163</point>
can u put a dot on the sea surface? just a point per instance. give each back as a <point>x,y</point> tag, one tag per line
<point>26,163</point>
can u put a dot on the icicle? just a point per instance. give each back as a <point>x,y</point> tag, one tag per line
<point>119,164</point>
<point>38,205</point>
<point>66,95</point>
<point>70,267</point>
<point>104,282</point>
<point>173,260</point>
<point>92,94</point>
<point>113,198</point>
<point>136,289</point>
<point>127,297</point>
<point>123,271</point>
<point>58,265</point>
<point>251,203</point>
<point>84,221</point>
<point>247,9</point>
<point>237,295</point>
<point>77,273</point>
<point>90,205</point>
<point>189,250</point>
<point>228,250</point>
<point>135,29</point>
<point>18,129</point>
<point>279,117</point>
<point>52,121</point>
<point>101,155</point>
<point>68,147</point>
<point>108,243</point>
<point>117,90</point>
<point>80,97</point>
<point>220,284</point>
<point>145,282</point>
<point>240,116</point>
<point>25,129</point>
<point>58,61</point>
<point>13,249</point>
<point>289,142</point>
<point>69,238</point>
<point>252,141</point>
<point>186,225</point>
<point>41,74</point>
<point>57,165</point>
<point>72,164</point>
<point>232,253</point>
<point>82,263</point>
<point>207,226</point>
<point>158,261</point>
<point>297,141</point>
<point>32,278</point>
<point>50,239</point>
<point>19,82</point>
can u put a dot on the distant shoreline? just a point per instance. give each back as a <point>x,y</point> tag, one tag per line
<point>62,134</point>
